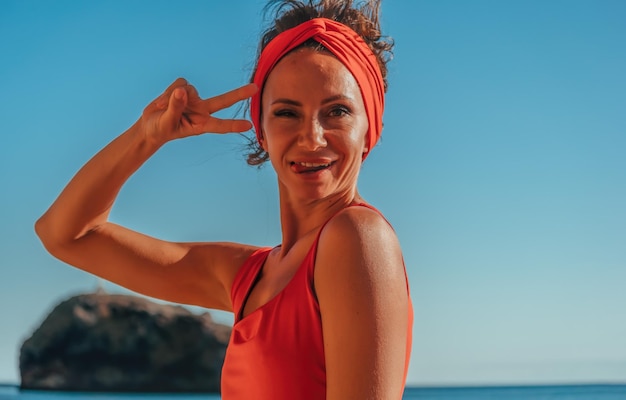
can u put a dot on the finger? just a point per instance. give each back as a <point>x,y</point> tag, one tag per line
<point>194,102</point>
<point>177,83</point>
<point>163,99</point>
<point>227,99</point>
<point>175,108</point>
<point>217,125</point>
<point>192,91</point>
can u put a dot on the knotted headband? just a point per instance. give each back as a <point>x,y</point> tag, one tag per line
<point>348,47</point>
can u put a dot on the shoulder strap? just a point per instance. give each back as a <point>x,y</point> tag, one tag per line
<point>245,279</point>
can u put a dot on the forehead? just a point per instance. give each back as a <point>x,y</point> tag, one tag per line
<point>307,71</point>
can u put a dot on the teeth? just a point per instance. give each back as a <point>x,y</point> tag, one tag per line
<point>312,165</point>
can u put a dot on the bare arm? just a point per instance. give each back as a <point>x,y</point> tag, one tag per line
<point>76,229</point>
<point>361,287</point>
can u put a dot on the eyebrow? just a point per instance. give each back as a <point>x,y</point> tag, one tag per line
<point>325,101</point>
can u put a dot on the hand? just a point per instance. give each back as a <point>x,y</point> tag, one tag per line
<point>179,112</point>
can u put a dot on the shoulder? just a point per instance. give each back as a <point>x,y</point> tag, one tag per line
<point>363,298</point>
<point>359,228</point>
<point>358,243</point>
<point>226,259</point>
<point>213,268</point>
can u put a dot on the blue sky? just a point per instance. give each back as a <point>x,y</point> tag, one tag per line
<point>501,167</point>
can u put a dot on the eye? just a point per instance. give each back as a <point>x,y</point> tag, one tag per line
<point>284,113</point>
<point>339,111</point>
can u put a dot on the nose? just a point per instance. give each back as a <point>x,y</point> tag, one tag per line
<point>311,136</point>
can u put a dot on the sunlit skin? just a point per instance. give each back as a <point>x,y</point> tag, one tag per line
<point>313,115</point>
<point>314,128</point>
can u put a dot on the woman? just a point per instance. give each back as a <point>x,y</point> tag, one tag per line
<point>325,314</point>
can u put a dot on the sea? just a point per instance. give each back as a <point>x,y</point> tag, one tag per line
<point>562,392</point>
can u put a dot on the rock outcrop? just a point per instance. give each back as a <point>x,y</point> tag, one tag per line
<point>104,342</point>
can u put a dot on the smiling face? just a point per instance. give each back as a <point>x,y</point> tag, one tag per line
<point>314,125</point>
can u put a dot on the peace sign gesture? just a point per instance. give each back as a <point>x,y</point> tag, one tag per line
<point>180,112</point>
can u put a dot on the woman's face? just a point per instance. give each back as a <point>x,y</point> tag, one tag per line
<point>314,125</point>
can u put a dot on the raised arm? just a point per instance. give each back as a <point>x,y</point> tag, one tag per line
<point>364,303</point>
<point>76,229</point>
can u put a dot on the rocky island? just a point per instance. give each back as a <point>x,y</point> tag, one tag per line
<point>124,343</point>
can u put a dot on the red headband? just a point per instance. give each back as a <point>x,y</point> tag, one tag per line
<point>348,47</point>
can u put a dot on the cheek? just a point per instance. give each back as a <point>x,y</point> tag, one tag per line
<point>359,136</point>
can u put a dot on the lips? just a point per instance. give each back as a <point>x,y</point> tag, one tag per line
<point>309,167</point>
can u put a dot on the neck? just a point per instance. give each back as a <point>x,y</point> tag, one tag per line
<point>300,217</point>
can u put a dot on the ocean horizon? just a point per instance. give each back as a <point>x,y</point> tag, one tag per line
<point>603,391</point>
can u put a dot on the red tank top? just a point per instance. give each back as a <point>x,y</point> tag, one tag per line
<point>276,352</point>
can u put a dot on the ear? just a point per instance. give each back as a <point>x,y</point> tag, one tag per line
<point>366,147</point>
<point>262,141</point>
